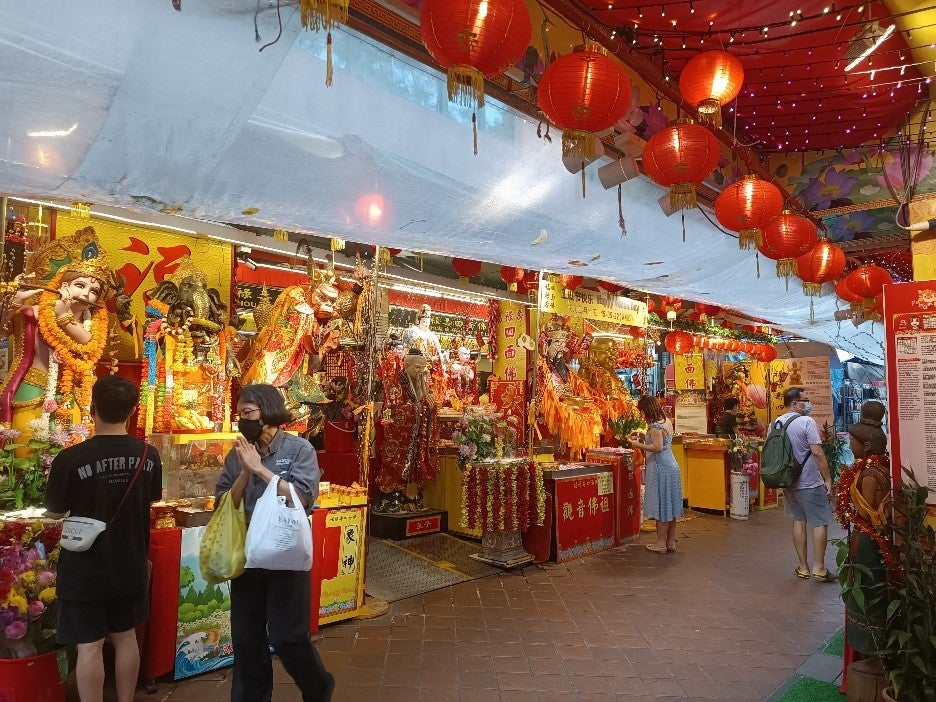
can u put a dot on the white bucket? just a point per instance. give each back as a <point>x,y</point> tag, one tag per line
<point>740,496</point>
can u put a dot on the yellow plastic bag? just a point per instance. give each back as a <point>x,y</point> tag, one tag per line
<point>221,556</point>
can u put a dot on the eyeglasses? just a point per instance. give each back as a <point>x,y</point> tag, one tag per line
<point>248,413</point>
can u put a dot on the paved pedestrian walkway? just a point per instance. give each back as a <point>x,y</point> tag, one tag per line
<point>722,618</point>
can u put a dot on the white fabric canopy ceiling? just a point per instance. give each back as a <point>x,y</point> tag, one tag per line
<point>179,112</point>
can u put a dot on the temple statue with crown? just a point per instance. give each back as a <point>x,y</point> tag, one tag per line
<point>187,359</point>
<point>55,315</point>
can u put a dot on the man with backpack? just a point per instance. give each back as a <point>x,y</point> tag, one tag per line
<point>808,499</point>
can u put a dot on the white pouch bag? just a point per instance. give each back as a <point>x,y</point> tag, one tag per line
<point>279,537</point>
<point>79,533</point>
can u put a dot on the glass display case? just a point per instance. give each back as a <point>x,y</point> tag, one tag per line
<point>192,464</point>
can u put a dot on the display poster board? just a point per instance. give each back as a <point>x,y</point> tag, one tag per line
<point>691,416</point>
<point>690,370</point>
<point>910,344</point>
<point>759,387</point>
<point>145,256</point>
<point>588,304</point>
<point>343,564</point>
<point>584,515</point>
<point>203,631</point>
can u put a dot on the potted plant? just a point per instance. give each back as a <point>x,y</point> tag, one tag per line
<point>908,649</point>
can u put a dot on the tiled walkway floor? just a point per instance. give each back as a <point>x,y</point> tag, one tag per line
<point>722,618</point>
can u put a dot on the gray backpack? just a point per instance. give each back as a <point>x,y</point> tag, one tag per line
<point>779,467</point>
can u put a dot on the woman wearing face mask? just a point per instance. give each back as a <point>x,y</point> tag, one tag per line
<point>271,607</point>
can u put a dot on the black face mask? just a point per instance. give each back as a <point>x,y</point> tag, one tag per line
<point>250,429</point>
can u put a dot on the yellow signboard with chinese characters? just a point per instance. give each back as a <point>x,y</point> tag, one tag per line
<point>343,566</point>
<point>690,371</point>
<point>510,362</point>
<point>590,305</point>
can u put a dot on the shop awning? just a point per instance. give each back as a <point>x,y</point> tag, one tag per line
<point>179,112</point>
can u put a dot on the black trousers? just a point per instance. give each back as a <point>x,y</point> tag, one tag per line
<point>272,608</point>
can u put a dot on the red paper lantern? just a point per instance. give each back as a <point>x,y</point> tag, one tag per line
<point>529,282</point>
<point>678,342</point>
<point>465,268</point>
<point>868,281</point>
<point>711,79</point>
<point>765,353</point>
<point>472,39</point>
<point>612,288</point>
<point>670,304</point>
<point>679,157</point>
<point>845,293</point>
<point>825,261</point>
<point>582,93</point>
<point>511,275</point>
<point>787,237</point>
<point>571,282</point>
<point>746,206</point>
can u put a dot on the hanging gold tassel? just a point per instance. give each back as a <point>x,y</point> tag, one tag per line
<point>323,14</point>
<point>710,112</point>
<point>583,180</point>
<point>812,312</point>
<point>750,238</point>
<point>579,144</point>
<point>785,268</point>
<point>682,196</point>
<point>337,244</point>
<point>474,131</point>
<point>329,66</point>
<point>757,263</point>
<point>682,216</point>
<point>812,289</point>
<point>465,86</point>
<point>621,223</point>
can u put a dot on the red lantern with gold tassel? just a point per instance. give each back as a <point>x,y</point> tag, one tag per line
<point>746,206</point>
<point>679,157</point>
<point>710,80</point>
<point>706,311</point>
<point>845,293</point>
<point>571,283</point>
<point>822,263</point>
<point>868,281</point>
<point>511,275</point>
<point>472,39</point>
<point>582,93</point>
<point>465,268</point>
<point>678,342</point>
<point>787,237</point>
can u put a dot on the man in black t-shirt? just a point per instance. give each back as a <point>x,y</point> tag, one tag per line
<point>104,590</point>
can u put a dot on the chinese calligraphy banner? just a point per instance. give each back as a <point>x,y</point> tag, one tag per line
<point>343,564</point>
<point>690,371</point>
<point>584,517</point>
<point>511,360</point>
<point>509,398</point>
<point>590,305</point>
<point>145,256</point>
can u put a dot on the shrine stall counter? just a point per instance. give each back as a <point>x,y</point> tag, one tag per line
<point>189,626</point>
<point>707,485</point>
<point>582,496</point>
<point>626,503</point>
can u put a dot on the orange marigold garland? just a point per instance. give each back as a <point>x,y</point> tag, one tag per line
<point>75,358</point>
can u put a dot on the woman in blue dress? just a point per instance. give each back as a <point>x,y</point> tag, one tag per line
<point>663,498</point>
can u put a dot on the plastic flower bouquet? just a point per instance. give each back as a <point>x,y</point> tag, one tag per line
<point>481,435</point>
<point>627,424</point>
<point>28,553</point>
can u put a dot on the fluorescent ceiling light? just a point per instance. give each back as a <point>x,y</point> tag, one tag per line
<point>871,48</point>
<point>53,132</point>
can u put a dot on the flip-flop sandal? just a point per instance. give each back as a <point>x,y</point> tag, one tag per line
<point>801,574</point>
<point>826,577</point>
<point>651,547</point>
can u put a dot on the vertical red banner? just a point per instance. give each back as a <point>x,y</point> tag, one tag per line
<point>509,397</point>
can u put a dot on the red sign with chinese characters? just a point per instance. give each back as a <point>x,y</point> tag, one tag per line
<point>626,499</point>
<point>584,514</point>
<point>509,397</point>
<point>424,525</point>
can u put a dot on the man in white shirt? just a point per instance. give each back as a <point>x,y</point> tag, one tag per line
<point>808,500</point>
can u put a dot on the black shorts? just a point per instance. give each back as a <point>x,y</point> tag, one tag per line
<point>86,621</point>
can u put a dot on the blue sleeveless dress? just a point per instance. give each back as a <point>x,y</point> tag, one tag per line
<point>663,497</point>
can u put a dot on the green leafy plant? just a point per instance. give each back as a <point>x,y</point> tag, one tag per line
<point>23,478</point>
<point>477,436</point>
<point>908,642</point>
<point>834,449</point>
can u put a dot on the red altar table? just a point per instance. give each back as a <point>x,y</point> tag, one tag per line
<point>583,517</point>
<point>626,490</point>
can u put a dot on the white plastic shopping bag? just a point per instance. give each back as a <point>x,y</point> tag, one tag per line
<point>279,537</point>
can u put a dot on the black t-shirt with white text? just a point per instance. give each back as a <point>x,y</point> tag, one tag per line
<point>89,480</point>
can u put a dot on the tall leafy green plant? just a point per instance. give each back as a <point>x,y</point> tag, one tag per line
<point>834,448</point>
